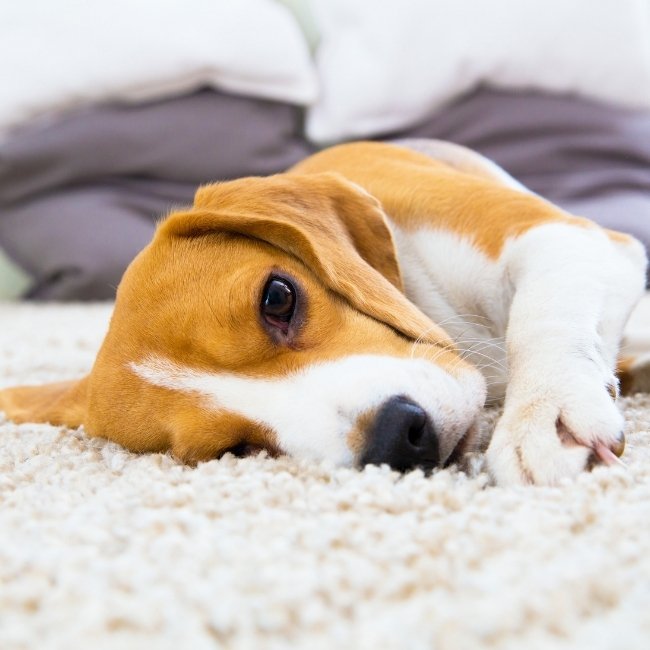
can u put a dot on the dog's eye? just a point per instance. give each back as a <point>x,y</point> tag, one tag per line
<point>278,302</point>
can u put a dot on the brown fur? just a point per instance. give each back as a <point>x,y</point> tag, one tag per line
<point>417,191</point>
<point>193,294</point>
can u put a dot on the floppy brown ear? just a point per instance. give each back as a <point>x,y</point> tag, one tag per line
<point>330,224</point>
<point>61,403</point>
<point>324,205</point>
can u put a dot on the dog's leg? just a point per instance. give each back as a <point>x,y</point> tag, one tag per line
<point>574,290</point>
<point>633,367</point>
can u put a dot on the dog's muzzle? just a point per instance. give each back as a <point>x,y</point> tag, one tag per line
<point>401,436</point>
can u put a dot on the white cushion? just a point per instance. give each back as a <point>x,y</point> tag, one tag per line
<point>385,64</point>
<point>58,55</point>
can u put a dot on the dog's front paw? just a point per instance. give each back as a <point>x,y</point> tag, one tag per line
<point>555,435</point>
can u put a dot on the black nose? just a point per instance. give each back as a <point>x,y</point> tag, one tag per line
<point>402,436</point>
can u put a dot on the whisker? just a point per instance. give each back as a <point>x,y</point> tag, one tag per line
<point>231,295</point>
<point>496,343</point>
<point>482,345</point>
<point>207,302</point>
<point>491,359</point>
<point>420,338</point>
<point>497,340</point>
<point>463,317</point>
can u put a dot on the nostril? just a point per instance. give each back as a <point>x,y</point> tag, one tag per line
<point>414,420</point>
<point>417,427</point>
<point>402,435</point>
<point>415,435</point>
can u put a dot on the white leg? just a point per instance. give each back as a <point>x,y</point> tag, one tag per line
<point>574,289</point>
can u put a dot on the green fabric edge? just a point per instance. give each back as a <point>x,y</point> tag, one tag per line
<point>303,14</point>
<point>14,282</point>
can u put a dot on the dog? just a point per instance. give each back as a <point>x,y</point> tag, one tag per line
<point>361,308</point>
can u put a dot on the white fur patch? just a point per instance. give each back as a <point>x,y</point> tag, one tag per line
<point>313,410</point>
<point>463,291</point>
<point>544,320</point>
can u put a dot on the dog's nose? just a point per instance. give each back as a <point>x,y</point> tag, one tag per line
<point>402,435</point>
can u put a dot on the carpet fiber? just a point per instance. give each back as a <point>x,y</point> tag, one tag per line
<point>101,548</point>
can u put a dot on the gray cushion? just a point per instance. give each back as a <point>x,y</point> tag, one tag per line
<point>589,158</point>
<point>79,196</point>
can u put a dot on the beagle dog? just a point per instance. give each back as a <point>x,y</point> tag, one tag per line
<point>361,308</point>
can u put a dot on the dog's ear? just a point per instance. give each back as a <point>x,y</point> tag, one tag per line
<point>61,403</point>
<point>324,205</point>
<point>330,224</point>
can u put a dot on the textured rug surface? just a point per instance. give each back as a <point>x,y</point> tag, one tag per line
<point>101,548</point>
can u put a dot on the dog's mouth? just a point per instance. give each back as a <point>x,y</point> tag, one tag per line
<point>465,445</point>
<point>244,450</point>
<point>457,453</point>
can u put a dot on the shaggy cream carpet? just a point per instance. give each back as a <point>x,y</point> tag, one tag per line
<point>100,548</point>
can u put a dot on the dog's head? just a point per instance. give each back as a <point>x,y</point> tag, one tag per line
<point>270,315</point>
